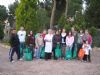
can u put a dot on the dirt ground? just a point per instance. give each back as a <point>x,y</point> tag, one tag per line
<point>51,67</point>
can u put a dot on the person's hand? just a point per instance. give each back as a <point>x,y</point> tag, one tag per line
<point>58,42</point>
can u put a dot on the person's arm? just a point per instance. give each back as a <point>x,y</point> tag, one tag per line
<point>67,41</point>
<point>36,42</point>
<point>11,41</point>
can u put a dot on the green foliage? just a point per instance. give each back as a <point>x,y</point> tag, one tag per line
<point>92,15</point>
<point>26,15</point>
<point>1,31</point>
<point>3,13</point>
<point>74,5</point>
<point>92,31</point>
<point>96,39</point>
<point>12,10</point>
<point>31,17</point>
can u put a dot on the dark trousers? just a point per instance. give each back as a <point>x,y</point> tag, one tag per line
<point>54,56</point>
<point>47,56</point>
<point>73,49</point>
<point>63,48</point>
<point>79,46</point>
<point>87,57</point>
<point>12,51</point>
<point>32,50</point>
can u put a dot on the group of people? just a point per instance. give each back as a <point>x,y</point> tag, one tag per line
<point>49,40</point>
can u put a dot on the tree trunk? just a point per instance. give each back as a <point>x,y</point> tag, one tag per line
<point>53,14</point>
<point>66,10</point>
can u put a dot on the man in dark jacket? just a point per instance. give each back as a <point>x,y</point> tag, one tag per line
<point>14,43</point>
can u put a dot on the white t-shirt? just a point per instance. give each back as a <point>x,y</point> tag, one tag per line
<point>21,36</point>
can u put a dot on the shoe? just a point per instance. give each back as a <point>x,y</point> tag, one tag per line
<point>20,59</point>
<point>12,61</point>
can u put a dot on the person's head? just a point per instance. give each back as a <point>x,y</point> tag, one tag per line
<point>86,32</point>
<point>57,32</point>
<point>63,30</point>
<point>31,32</point>
<point>44,31</point>
<point>50,31</point>
<point>70,33</point>
<point>72,29</point>
<point>21,28</point>
<point>81,31</point>
<point>13,31</point>
<point>85,42</point>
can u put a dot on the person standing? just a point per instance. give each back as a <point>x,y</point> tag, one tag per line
<point>39,44</point>
<point>48,44</point>
<point>14,43</point>
<point>69,44</point>
<point>86,47</point>
<point>88,37</point>
<point>22,36</point>
<point>79,41</point>
<point>75,34</point>
<point>31,42</point>
<point>63,42</point>
<point>56,41</point>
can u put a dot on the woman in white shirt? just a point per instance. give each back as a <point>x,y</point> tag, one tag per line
<point>48,44</point>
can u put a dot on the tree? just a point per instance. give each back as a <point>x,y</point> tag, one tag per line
<point>3,13</point>
<point>26,15</point>
<point>92,14</point>
<point>12,10</point>
<point>3,17</point>
<point>53,14</point>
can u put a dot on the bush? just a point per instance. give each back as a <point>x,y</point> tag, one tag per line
<point>93,31</point>
<point>1,32</point>
<point>96,39</point>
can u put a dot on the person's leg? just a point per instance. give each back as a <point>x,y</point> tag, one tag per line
<point>89,56</point>
<point>31,49</point>
<point>54,56</point>
<point>63,51</point>
<point>85,57</point>
<point>21,50</point>
<point>46,56</point>
<point>37,52</point>
<point>73,49</point>
<point>17,52</point>
<point>78,48</point>
<point>12,53</point>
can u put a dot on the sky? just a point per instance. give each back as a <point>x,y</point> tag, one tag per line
<point>6,2</point>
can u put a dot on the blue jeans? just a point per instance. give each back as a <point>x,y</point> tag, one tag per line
<point>38,52</point>
<point>22,47</point>
<point>69,48</point>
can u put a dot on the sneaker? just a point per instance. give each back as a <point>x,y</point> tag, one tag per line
<point>12,61</point>
<point>20,59</point>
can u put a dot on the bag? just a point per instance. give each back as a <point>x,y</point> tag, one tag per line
<point>58,51</point>
<point>42,52</point>
<point>81,54</point>
<point>75,52</point>
<point>68,54</point>
<point>28,54</point>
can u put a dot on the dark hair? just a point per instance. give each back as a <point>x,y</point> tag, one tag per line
<point>84,41</point>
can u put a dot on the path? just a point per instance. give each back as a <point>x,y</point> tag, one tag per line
<point>52,67</point>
